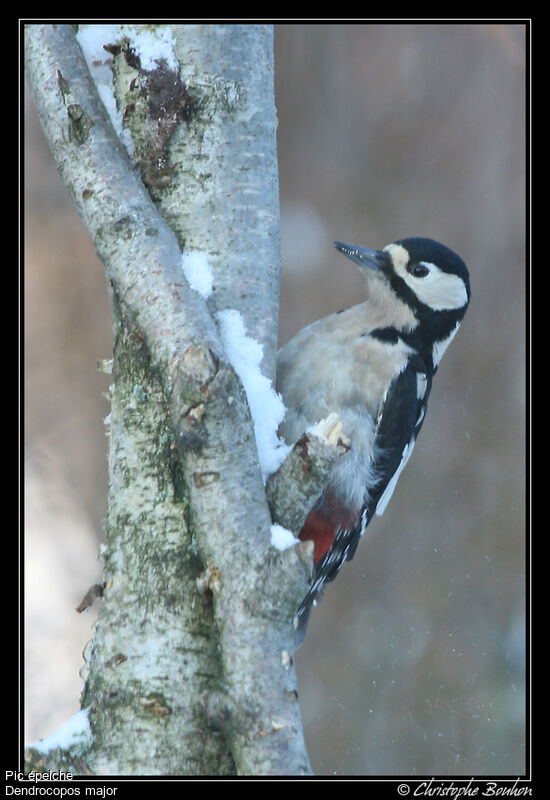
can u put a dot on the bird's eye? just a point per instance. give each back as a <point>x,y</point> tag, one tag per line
<point>419,270</point>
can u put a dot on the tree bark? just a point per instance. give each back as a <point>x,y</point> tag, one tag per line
<point>190,670</point>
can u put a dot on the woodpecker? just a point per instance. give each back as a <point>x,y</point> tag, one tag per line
<point>373,365</point>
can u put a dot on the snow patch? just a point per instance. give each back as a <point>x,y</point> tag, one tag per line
<point>282,538</point>
<point>198,272</point>
<point>76,732</point>
<point>151,46</point>
<point>91,39</point>
<point>266,405</point>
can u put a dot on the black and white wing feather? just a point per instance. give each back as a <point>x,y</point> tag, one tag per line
<point>396,431</point>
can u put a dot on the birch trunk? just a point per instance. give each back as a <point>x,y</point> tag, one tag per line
<point>190,669</point>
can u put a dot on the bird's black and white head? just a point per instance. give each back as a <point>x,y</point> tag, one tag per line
<point>424,286</point>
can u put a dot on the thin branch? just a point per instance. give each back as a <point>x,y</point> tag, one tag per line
<point>139,251</point>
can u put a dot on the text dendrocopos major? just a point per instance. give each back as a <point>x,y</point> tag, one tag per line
<point>372,365</point>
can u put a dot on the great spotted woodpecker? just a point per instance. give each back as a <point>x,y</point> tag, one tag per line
<point>373,365</point>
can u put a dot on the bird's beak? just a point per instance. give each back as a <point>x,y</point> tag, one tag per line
<point>373,259</point>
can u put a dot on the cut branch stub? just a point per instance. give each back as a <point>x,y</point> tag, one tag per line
<point>305,472</point>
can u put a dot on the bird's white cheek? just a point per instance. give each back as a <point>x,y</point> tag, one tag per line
<point>439,290</point>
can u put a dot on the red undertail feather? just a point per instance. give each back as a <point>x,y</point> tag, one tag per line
<point>326,518</point>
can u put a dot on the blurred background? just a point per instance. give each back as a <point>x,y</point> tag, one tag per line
<point>414,660</point>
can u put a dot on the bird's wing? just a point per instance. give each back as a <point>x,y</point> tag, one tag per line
<point>397,428</point>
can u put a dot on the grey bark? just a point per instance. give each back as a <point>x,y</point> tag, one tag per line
<point>297,484</point>
<point>190,670</point>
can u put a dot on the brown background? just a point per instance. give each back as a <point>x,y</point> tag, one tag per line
<point>414,661</point>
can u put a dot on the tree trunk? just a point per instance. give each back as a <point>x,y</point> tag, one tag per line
<point>190,671</point>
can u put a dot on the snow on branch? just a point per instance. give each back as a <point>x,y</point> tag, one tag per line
<point>266,405</point>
